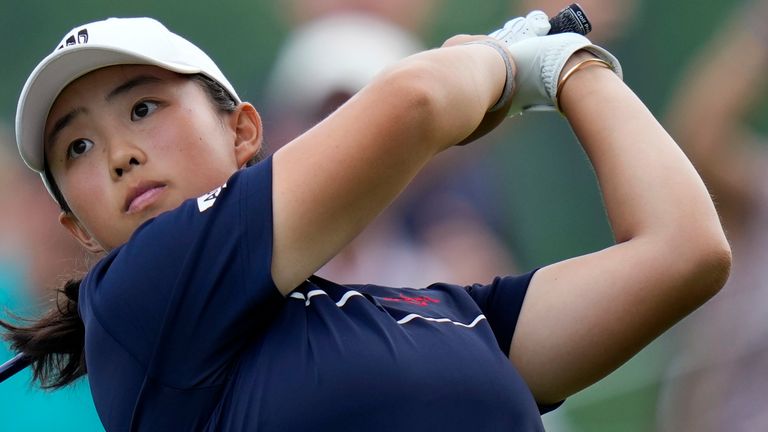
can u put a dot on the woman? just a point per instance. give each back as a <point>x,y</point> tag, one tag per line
<point>203,312</point>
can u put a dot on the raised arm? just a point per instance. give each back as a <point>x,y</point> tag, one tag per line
<point>584,317</point>
<point>333,180</point>
<point>708,114</point>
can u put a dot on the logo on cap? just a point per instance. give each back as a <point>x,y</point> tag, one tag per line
<point>80,37</point>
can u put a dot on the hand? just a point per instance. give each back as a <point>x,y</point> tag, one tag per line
<point>540,61</point>
<point>536,23</point>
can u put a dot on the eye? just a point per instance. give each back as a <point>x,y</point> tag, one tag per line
<point>78,147</point>
<point>143,109</point>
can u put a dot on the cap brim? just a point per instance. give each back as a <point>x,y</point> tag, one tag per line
<point>52,75</point>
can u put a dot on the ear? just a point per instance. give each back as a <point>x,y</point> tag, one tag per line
<point>246,124</point>
<point>72,224</point>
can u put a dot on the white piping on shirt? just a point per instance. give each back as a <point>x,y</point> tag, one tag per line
<point>404,320</point>
<point>340,303</point>
<point>412,316</point>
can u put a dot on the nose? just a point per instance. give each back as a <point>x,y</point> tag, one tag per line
<point>124,156</point>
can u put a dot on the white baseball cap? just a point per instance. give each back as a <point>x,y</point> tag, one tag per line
<point>92,46</point>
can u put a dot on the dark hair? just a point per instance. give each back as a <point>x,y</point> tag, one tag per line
<point>55,342</point>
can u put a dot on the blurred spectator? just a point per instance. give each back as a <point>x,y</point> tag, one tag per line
<point>720,379</point>
<point>437,227</point>
<point>326,61</point>
<point>35,255</point>
<point>410,15</point>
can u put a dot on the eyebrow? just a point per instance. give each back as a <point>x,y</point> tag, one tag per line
<point>123,88</point>
<point>64,122</point>
<point>131,84</point>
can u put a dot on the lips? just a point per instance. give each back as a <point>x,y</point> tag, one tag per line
<point>142,196</point>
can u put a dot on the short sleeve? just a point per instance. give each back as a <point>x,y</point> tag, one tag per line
<point>193,285</point>
<point>501,302</point>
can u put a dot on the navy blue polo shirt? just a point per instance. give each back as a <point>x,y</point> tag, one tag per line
<point>185,330</point>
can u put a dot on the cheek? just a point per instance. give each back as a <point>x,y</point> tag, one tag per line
<point>197,153</point>
<point>211,144</point>
<point>193,138</point>
<point>170,139</point>
<point>83,186</point>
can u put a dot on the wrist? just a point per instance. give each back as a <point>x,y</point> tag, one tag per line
<point>584,82</point>
<point>505,98</point>
<point>575,59</point>
<point>578,63</point>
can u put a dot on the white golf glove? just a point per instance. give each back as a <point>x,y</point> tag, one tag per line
<point>536,23</point>
<point>539,59</point>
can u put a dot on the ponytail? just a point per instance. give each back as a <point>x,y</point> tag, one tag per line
<point>54,343</point>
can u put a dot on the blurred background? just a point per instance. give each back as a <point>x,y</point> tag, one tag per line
<point>522,198</point>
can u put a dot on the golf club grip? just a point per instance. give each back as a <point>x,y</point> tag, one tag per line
<point>571,19</point>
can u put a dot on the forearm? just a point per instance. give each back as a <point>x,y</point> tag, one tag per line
<point>649,187</point>
<point>671,254</point>
<point>475,85</point>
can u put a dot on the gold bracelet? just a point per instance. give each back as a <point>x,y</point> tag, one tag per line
<point>580,65</point>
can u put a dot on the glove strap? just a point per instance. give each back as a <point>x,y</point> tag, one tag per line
<point>577,67</point>
<point>509,84</point>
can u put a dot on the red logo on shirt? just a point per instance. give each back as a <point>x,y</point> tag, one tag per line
<point>418,301</point>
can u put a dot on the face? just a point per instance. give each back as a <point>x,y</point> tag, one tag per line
<point>126,143</point>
